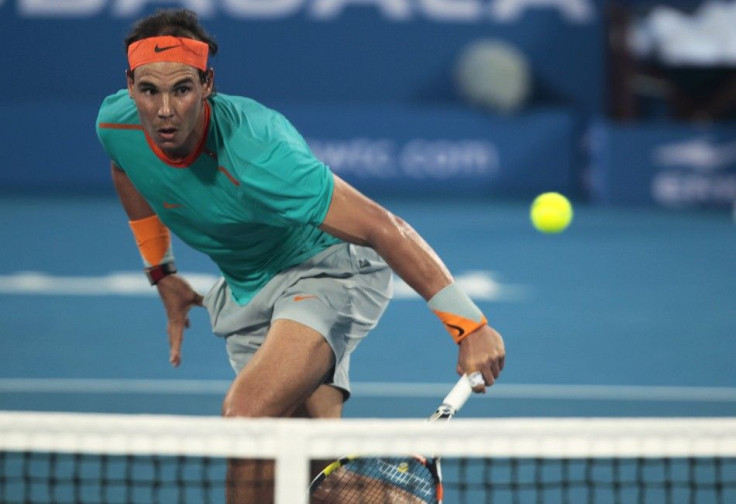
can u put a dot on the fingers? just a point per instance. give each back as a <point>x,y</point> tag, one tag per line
<point>477,381</point>
<point>176,335</point>
<point>488,380</point>
<point>178,298</point>
<point>482,354</point>
<point>483,375</point>
<point>495,368</point>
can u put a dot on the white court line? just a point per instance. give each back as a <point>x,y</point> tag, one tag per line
<point>480,285</point>
<point>378,390</point>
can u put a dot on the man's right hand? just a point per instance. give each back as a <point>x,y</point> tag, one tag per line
<point>178,298</point>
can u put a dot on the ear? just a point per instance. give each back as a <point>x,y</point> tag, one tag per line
<point>130,81</point>
<point>209,85</point>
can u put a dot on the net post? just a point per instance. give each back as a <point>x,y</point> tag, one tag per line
<point>292,465</point>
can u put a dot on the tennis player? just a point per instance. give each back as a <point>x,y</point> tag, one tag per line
<point>306,259</point>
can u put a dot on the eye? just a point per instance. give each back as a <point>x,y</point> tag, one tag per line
<point>182,90</point>
<point>147,91</point>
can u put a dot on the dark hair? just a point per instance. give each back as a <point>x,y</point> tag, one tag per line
<point>175,22</point>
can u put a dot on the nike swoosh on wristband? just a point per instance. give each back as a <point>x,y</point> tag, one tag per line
<point>302,298</point>
<point>162,49</point>
<point>460,330</point>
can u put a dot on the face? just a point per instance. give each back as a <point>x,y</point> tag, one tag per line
<point>170,100</point>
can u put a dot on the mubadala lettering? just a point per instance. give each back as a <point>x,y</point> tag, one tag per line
<point>457,11</point>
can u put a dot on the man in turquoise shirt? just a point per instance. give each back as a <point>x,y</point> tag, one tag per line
<point>306,259</point>
<point>254,205</point>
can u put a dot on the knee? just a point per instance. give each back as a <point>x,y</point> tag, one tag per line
<point>239,409</point>
<point>235,406</point>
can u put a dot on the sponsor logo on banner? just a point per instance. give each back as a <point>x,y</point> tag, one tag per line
<point>698,172</point>
<point>383,158</point>
<point>452,11</point>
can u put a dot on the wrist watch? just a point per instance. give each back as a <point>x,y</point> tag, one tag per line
<point>156,273</point>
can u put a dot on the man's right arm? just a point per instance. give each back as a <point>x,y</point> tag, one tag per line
<point>176,293</point>
<point>133,203</point>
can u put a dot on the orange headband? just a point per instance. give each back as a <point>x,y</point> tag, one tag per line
<point>167,48</point>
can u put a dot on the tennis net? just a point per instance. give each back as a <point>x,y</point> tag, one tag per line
<point>97,458</point>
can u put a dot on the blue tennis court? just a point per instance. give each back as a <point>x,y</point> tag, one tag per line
<point>628,313</point>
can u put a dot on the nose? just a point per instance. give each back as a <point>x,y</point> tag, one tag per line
<point>164,109</point>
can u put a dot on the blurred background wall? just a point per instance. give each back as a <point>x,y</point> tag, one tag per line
<point>627,102</point>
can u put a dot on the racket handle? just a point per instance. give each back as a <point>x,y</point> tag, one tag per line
<point>459,394</point>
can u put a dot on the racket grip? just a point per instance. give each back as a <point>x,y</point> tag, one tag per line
<point>459,394</point>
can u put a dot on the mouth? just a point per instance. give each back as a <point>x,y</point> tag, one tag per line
<point>167,134</point>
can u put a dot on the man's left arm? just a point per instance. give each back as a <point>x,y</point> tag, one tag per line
<point>355,218</point>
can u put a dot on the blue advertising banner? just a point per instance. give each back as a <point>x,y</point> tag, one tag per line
<point>381,150</point>
<point>311,50</point>
<point>672,165</point>
<point>369,82</point>
<point>442,150</point>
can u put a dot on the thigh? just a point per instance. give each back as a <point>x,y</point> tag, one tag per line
<point>283,374</point>
<point>325,402</point>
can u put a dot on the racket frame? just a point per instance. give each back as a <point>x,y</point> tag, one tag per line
<point>451,404</point>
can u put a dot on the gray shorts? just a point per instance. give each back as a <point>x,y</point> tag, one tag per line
<point>341,293</point>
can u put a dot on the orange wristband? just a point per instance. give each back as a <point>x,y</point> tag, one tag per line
<point>457,312</point>
<point>459,327</point>
<point>153,240</point>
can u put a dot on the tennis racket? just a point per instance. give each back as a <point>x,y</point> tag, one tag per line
<point>388,480</point>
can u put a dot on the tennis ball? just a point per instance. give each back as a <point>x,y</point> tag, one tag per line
<point>551,212</point>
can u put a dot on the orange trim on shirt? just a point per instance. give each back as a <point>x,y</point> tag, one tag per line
<point>187,161</point>
<point>235,181</point>
<point>121,126</point>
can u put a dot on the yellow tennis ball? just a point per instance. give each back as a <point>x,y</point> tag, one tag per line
<point>551,212</point>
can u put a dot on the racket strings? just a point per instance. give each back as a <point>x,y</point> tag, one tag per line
<point>382,480</point>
